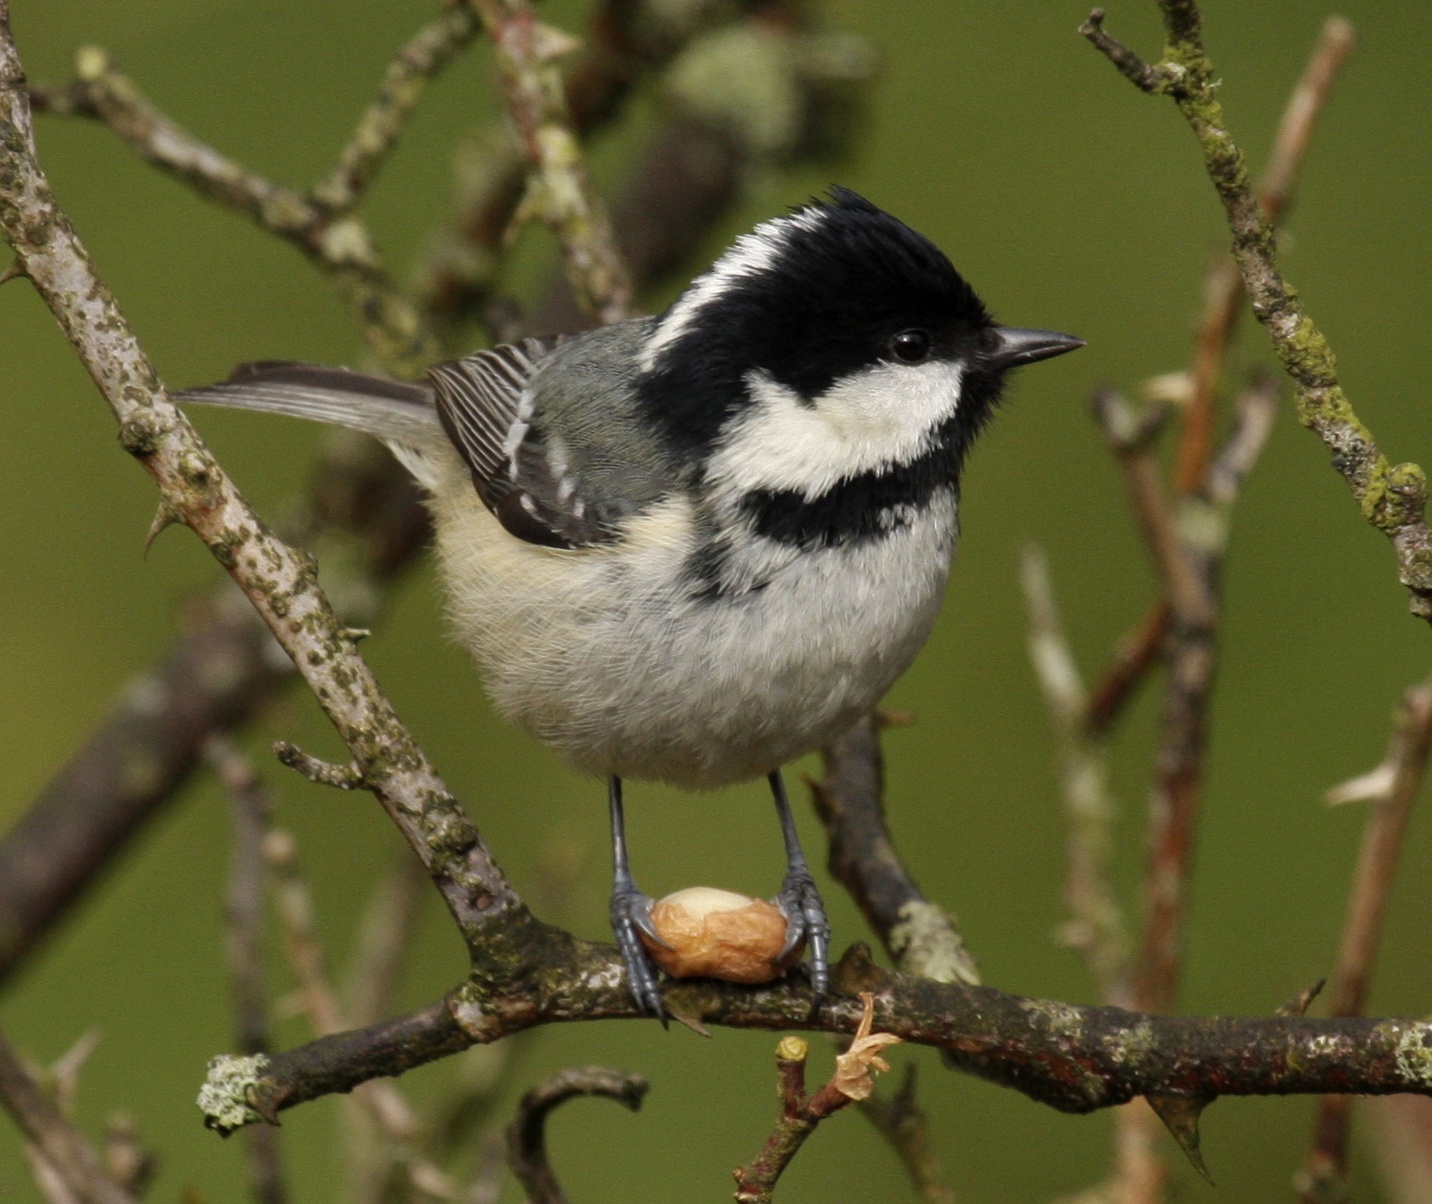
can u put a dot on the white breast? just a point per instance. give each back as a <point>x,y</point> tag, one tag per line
<point>608,655</point>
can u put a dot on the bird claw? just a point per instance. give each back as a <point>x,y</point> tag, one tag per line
<point>631,917</point>
<point>799,901</point>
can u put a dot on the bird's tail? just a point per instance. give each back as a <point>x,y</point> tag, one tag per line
<point>397,412</point>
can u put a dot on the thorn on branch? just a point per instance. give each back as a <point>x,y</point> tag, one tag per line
<point>1299,1004</point>
<point>527,1134</point>
<point>323,773</point>
<point>164,518</point>
<point>1180,1113</point>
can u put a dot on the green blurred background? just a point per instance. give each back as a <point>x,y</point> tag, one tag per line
<point>1071,201</point>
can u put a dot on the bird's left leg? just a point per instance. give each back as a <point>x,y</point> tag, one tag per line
<point>799,900</point>
<point>631,915</point>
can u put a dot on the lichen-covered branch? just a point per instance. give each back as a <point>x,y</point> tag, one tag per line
<point>559,189</point>
<point>280,582</point>
<point>1076,1059</point>
<point>1392,498</point>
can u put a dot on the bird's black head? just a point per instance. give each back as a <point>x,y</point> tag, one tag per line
<point>837,287</point>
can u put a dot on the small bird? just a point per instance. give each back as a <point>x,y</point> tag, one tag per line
<point>692,547</point>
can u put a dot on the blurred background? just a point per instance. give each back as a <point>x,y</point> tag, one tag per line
<point>1070,201</point>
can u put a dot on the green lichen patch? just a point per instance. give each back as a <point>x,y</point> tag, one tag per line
<point>224,1097</point>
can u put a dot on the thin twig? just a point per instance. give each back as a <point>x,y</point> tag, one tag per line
<point>250,808</point>
<point>1199,536</point>
<point>1096,926</point>
<point>1202,531</point>
<point>527,1135</point>
<point>559,189</point>
<point>1134,656</point>
<point>341,245</point>
<point>800,1113</point>
<point>62,1146</point>
<point>1390,791</point>
<point>1392,498</point>
<point>404,81</point>
<point>1223,297</point>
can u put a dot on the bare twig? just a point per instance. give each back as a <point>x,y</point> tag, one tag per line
<point>1135,655</point>
<point>1223,297</point>
<point>559,189</point>
<point>921,936</point>
<point>1202,542</point>
<point>801,1113</point>
<point>901,1121</point>
<point>527,1135</point>
<point>251,810</point>
<point>1392,498</point>
<point>408,73</point>
<point>1131,437</point>
<point>1390,790</point>
<point>62,1147</point>
<point>321,221</point>
<point>319,772</point>
<point>1096,925</point>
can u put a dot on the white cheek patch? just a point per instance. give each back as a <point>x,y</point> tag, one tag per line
<point>883,415</point>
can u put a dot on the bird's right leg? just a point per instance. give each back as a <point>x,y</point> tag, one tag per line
<point>631,915</point>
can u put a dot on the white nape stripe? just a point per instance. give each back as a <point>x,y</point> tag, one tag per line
<point>748,256</point>
<point>880,416</point>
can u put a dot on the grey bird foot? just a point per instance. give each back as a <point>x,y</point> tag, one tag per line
<point>800,903</point>
<point>631,916</point>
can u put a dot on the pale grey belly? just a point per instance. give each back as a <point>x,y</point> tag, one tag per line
<point>609,658</point>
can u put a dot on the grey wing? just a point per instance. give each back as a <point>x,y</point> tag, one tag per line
<point>486,406</point>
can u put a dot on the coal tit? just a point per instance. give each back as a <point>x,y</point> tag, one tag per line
<point>693,547</point>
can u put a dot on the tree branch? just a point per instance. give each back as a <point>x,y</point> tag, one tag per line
<point>1392,498</point>
<point>1076,1059</point>
<point>559,189</point>
<point>62,1146</point>
<point>279,582</point>
<point>527,1135</point>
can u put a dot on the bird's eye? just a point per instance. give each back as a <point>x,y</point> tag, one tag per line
<point>911,346</point>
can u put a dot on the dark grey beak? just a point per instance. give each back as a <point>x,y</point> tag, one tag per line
<point>1011,346</point>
